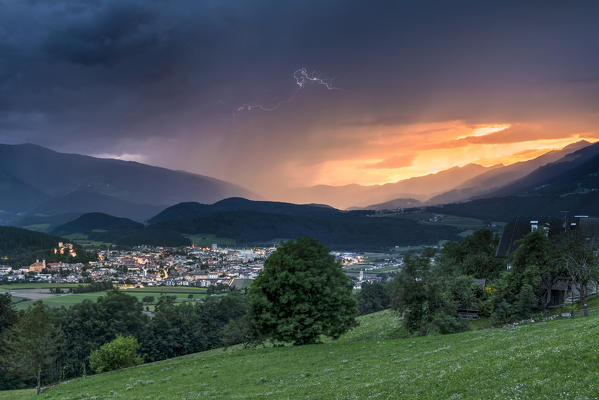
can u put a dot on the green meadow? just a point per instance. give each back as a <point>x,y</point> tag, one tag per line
<point>544,360</point>
<point>38,285</point>
<point>24,296</point>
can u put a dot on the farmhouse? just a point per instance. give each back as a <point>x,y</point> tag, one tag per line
<point>521,226</point>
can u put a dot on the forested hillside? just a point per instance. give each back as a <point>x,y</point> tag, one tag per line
<point>22,247</point>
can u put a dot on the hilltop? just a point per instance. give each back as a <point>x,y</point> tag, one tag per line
<point>19,247</point>
<point>247,222</point>
<point>38,181</point>
<point>545,360</point>
<point>87,223</point>
<point>104,228</point>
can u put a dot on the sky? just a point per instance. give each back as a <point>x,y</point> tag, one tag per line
<point>276,94</point>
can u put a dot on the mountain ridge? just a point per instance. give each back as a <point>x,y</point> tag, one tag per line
<point>357,196</point>
<point>485,184</point>
<point>37,180</point>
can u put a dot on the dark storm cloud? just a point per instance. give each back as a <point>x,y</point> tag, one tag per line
<point>115,76</point>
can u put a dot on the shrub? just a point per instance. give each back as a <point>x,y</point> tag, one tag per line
<point>373,297</point>
<point>119,353</point>
<point>237,331</point>
<point>527,301</point>
<point>502,312</point>
<point>443,323</point>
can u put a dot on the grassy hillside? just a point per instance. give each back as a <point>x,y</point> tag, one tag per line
<point>547,360</point>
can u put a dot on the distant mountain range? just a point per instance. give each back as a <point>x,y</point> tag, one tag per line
<point>360,196</point>
<point>103,200</point>
<point>38,181</point>
<point>569,184</point>
<point>487,183</point>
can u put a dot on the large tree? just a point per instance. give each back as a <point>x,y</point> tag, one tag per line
<point>581,263</point>
<point>537,262</point>
<point>301,294</point>
<point>34,343</point>
<point>8,314</point>
<point>475,256</point>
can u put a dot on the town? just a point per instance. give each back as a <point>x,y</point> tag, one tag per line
<point>148,266</point>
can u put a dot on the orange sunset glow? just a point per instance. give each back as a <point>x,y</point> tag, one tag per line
<point>426,149</point>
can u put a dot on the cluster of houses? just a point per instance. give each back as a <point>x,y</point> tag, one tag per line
<point>160,266</point>
<point>65,248</point>
<point>42,271</point>
<point>149,266</point>
<point>355,266</point>
<point>214,266</point>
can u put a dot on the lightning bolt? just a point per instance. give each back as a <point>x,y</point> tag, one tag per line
<point>302,77</point>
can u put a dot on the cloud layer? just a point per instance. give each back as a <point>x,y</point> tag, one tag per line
<point>162,80</point>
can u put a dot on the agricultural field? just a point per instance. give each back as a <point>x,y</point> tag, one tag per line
<point>83,240</point>
<point>544,360</point>
<point>465,224</point>
<point>38,227</point>
<point>38,285</point>
<point>207,240</point>
<point>26,294</point>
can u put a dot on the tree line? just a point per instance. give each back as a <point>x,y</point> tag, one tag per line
<point>43,345</point>
<point>301,296</point>
<point>433,289</point>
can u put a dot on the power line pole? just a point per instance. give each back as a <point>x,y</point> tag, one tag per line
<point>565,221</point>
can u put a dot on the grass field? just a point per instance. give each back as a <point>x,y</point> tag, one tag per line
<point>546,360</point>
<point>39,285</point>
<point>38,227</point>
<point>464,224</point>
<point>83,240</point>
<point>181,294</point>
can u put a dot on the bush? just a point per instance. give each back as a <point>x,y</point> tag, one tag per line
<point>373,297</point>
<point>527,301</point>
<point>148,299</point>
<point>120,353</point>
<point>237,331</point>
<point>502,313</point>
<point>443,323</point>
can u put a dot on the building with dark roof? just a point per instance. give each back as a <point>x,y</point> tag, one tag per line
<point>521,226</point>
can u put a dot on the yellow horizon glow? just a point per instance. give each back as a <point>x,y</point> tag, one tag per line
<point>430,160</point>
<point>485,130</point>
